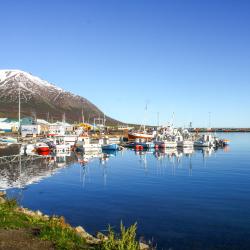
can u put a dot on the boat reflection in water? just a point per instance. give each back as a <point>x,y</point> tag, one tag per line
<point>18,171</point>
<point>173,157</point>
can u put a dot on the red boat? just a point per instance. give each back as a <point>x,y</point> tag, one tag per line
<point>139,135</point>
<point>42,148</point>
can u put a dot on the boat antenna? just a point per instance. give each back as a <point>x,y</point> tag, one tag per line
<point>172,119</point>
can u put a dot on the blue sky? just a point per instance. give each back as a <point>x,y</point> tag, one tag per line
<point>190,57</point>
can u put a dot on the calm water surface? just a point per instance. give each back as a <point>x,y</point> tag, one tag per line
<point>198,200</point>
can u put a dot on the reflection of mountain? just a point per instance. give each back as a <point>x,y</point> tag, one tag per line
<point>25,170</point>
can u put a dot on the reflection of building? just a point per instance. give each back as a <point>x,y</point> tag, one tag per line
<point>25,170</point>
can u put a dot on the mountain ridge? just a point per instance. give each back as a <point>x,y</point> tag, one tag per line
<point>43,99</point>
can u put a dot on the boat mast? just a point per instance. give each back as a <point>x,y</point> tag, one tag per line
<point>172,120</point>
<point>82,116</point>
<point>19,110</point>
<point>144,125</point>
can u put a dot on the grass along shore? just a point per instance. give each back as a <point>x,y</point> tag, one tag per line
<point>23,229</point>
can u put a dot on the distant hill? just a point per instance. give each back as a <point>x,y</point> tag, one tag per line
<point>42,99</point>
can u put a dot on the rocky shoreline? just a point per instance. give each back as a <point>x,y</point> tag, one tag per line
<point>94,242</point>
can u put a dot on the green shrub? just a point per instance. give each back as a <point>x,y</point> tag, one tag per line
<point>125,240</point>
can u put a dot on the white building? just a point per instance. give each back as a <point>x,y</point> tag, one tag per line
<point>30,130</point>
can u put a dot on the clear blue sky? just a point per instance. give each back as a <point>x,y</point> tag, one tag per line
<point>190,57</point>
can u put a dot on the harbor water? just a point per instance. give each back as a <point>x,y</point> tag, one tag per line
<point>180,199</point>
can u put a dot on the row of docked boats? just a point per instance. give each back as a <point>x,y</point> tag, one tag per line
<point>172,138</point>
<point>167,137</point>
<point>68,143</point>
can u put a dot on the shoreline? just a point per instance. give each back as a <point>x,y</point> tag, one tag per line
<point>53,232</point>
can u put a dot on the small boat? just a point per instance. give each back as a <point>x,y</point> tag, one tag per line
<point>205,141</point>
<point>225,142</point>
<point>111,146</point>
<point>8,140</point>
<point>107,145</point>
<point>42,147</point>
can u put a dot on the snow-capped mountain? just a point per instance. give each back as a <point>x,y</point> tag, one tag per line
<point>41,98</point>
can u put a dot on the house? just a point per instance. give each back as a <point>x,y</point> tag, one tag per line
<point>30,130</point>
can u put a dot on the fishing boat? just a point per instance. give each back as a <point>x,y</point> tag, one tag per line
<point>85,145</point>
<point>184,143</point>
<point>140,135</point>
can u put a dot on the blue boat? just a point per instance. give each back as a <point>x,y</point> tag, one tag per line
<point>147,145</point>
<point>8,140</point>
<point>111,146</point>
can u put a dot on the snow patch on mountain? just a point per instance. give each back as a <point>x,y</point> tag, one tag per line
<point>22,77</point>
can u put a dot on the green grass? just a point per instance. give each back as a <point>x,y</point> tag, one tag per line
<point>54,229</point>
<point>61,234</point>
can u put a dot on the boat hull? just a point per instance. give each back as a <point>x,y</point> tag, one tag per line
<point>167,144</point>
<point>42,149</point>
<point>185,144</point>
<point>134,136</point>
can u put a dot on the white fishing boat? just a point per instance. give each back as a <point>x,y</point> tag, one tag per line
<point>207,140</point>
<point>84,144</point>
<point>184,143</point>
<point>166,144</point>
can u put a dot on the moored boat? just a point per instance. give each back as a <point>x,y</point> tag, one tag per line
<point>139,135</point>
<point>85,145</point>
<point>205,141</point>
<point>111,146</point>
<point>8,140</point>
<point>166,144</point>
<point>42,147</point>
